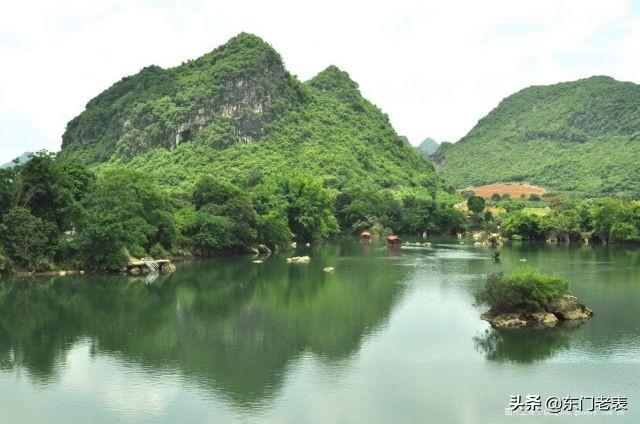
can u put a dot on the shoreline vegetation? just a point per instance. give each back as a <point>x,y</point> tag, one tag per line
<point>56,216</point>
<point>554,219</point>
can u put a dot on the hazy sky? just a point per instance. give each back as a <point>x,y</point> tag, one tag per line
<point>435,67</point>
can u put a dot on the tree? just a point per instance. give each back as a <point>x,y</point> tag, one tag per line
<point>125,211</point>
<point>213,233</point>
<point>273,230</point>
<point>418,215</point>
<point>240,211</point>
<point>476,204</point>
<point>521,224</point>
<point>467,193</point>
<point>495,197</point>
<point>225,218</point>
<point>209,189</point>
<point>534,197</point>
<point>7,178</point>
<point>563,224</point>
<point>307,205</point>
<point>623,232</point>
<point>524,290</point>
<point>450,220</point>
<point>609,212</point>
<point>25,237</point>
<point>52,190</point>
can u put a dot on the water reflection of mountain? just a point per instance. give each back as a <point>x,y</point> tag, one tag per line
<point>228,324</point>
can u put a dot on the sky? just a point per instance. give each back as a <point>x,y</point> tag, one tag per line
<point>435,67</point>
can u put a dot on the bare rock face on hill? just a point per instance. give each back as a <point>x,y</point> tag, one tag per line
<point>235,91</point>
<point>237,113</point>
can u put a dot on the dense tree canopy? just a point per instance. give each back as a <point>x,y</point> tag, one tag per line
<point>606,220</point>
<point>575,138</point>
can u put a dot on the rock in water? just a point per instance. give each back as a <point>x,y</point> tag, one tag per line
<point>564,308</point>
<point>299,260</point>
<point>545,318</point>
<point>264,249</point>
<point>329,269</point>
<point>504,320</point>
<point>251,250</point>
<point>568,308</point>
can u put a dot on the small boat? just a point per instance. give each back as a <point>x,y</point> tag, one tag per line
<point>394,241</point>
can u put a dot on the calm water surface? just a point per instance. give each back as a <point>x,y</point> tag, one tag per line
<point>390,337</point>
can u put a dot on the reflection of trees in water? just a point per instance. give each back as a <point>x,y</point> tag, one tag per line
<point>227,324</point>
<point>524,345</point>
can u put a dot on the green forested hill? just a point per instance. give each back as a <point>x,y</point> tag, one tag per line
<point>237,113</point>
<point>580,137</point>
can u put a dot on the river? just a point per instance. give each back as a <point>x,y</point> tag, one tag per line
<point>392,336</point>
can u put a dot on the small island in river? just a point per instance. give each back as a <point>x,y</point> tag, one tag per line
<point>529,298</point>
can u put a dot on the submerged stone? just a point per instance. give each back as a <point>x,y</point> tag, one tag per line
<point>299,260</point>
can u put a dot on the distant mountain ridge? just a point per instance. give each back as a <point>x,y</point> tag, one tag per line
<point>19,160</point>
<point>580,137</point>
<point>427,147</point>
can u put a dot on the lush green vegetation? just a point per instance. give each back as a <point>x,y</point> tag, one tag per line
<point>606,220</point>
<point>54,214</point>
<point>216,155</point>
<point>57,215</point>
<point>576,138</point>
<point>229,94</point>
<point>524,290</point>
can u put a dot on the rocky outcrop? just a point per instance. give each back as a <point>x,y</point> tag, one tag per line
<point>251,250</point>
<point>232,94</point>
<point>262,248</point>
<point>505,320</point>
<point>564,308</point>
<point>418,244</point>
<point>482,238</point>
<point>568,308</point>
<point>299,260</point>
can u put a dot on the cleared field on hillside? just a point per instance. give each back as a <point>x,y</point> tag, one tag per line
<point>514,190</point>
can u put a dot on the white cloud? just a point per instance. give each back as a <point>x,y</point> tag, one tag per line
<point>434,67</point>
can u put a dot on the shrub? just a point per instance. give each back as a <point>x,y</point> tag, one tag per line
<point>6,266</point>
<point>521,224</point>
<point>467,193</point>
<point>623,232</point>
<point>534,197</point>
<point>524,290</point>
<point>157,251</point>
<point>273,230</point>
<point>476,204</point>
